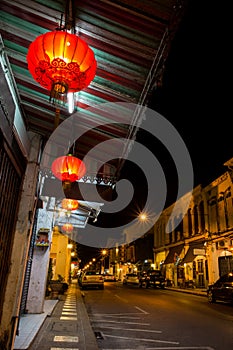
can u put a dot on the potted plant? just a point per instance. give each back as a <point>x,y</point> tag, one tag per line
<point>55,286</point>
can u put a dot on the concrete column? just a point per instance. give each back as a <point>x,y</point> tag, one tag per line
<point>40,264</point>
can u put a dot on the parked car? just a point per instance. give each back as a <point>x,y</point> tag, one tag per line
<point>131,278</point>
<point>109,277</point>
<point>152,278</point>
<point>91,279</point>
<point>222,289</point>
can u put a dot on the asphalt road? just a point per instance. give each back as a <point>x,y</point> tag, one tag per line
<point>127,317</point>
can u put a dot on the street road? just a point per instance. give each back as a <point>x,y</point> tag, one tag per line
<point>127,317</point>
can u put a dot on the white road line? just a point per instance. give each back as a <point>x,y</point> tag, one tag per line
<point>66,338</point>
<point>181,348</point>
<point>144,312</point>
<point>172,348</point>
<point>112,316</point>
<point>132,329</point>
<point>64,348</point>
<point>141,339</point>
<point>125,300</point>
<point>108,321</point>
<point>124,314</point>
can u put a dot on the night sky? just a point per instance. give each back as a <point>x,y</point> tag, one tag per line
<point>194,97</point>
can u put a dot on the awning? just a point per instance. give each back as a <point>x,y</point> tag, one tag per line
<point>195,248</point>
<point>174,252</point>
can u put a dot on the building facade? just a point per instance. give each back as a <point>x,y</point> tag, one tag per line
<point>195,248</point>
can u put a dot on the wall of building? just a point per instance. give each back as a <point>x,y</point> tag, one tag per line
<point>60,255</point>
<point>203,237</point>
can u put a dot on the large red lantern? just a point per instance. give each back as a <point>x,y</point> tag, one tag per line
<point>61,62</point>
<point>68,168</point>
<point>69,204</point>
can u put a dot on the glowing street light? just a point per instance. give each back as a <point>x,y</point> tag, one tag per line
<point>143,217</point>
<point>104,253</point>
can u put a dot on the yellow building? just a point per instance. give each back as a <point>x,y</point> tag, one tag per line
<point>60,255</point>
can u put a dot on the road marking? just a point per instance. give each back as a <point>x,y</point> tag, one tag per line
<point>124,314</point>
<point>132,329</point>
<point>144,312</point>
<point>66,338</point>
<point>181,348</point>
<point>68,318</point>
<point>141,339</point>
<point>108,321</point>
<point>172,348</point>
<point>64,348</point>
<point>125,300</point>
<point>115,315</point>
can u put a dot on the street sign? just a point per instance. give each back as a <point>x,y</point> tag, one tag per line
<point>198,251</point>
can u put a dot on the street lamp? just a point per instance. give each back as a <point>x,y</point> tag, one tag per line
<point>143,217</point>
<point>104,253</point>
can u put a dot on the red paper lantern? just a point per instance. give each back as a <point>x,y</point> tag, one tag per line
<point>67,228</point>
<point>61,62</point>
<point>68,168</point>
<point>69,204</point>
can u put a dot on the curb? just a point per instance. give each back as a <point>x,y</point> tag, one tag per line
<point>194,291</point>
<point>85,331</point>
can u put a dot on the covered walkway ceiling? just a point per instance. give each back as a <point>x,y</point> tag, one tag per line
<point>130,39</point>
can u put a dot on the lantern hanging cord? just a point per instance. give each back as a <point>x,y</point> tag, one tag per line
<point>57,118</point>
<point>70,16</point>
<point>69,22</point>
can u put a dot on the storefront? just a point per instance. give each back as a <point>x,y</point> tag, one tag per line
<point>173,268</point>
<point>195,264</point>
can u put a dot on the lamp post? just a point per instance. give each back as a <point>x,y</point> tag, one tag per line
<point>104,253</point>
<point>94,264</point>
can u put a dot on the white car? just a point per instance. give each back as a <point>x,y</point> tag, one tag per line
<point>91,279</point>
<point>131,278</point>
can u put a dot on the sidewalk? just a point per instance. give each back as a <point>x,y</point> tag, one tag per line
<point>30,324</point>
<point>195,291</point>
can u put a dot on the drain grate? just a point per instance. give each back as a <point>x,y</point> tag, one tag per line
<point>98,335</point>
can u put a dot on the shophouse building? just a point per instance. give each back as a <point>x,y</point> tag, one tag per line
<point>195,247</point>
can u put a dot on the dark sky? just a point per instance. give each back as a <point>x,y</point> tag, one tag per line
<point>195,97</point>
<point>195,94</point>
